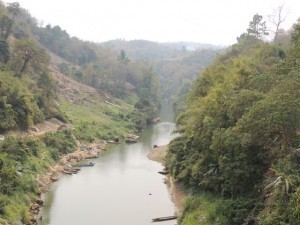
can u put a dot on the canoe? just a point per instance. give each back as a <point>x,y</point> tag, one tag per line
<point>113,142</point>
<point>130,140</point>
<point>163,172</point>
<point>159,219</point>
<point>92,157</point>
<point>86,164</point>
<point>67,172</point>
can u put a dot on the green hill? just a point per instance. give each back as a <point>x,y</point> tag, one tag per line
<point>238,149</point>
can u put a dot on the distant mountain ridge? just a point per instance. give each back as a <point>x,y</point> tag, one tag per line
<point>141,49</point>
<point>177,64</point>
<point>191,46</point>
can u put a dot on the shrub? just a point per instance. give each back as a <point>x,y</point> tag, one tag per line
<point>64,141</point>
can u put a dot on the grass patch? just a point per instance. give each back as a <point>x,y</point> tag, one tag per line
<point>209,209</point>
<point>201,210</point>
<point>16,209</point>
<point>21,160</point>
<point>99,120</point>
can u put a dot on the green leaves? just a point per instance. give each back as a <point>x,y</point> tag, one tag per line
<point>243,118</point>
<point>6,24</point>
<point>28,57</point>
<point>18,108</point>
<point>4,51</point>
<point>276,117</point>
<point>64,141</point>
<point>257,27</point>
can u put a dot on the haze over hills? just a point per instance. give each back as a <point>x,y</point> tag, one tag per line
<point>191,46</point>
<point>144,49</point>
<point>239,145</point>
<point>175,66</point>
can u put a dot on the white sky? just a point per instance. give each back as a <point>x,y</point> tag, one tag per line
<point>209,21</point>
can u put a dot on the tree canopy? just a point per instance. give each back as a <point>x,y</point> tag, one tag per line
<point>240,132</point>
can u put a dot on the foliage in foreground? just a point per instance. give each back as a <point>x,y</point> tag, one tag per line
<point>20,164</point>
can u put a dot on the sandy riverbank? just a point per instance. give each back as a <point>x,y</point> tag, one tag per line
<point>178,196</point>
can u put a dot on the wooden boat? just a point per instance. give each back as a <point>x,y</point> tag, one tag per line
<point>163,172</point>
<point>130,140</point>
<point>159,219</point>
<point>85,164</point>
<point>92,157</point>
<point>113,142</point>
<point>67,172</point>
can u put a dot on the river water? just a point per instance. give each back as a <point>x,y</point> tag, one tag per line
<point>123,188</point>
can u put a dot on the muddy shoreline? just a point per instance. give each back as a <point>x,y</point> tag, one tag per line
<point>159,154</point>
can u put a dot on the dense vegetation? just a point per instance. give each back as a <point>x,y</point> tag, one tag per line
<point>109,72</point>
<point>26,87</point>
<point>239,145</point>
<point>238,149</point>
<point>175,63</point>
<point>34,63</point>
<point>20,165</point>
<point>29,54</point>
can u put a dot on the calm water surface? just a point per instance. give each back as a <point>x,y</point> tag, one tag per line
<point>123,188</point>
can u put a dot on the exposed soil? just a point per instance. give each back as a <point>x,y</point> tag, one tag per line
<point>75,92</point>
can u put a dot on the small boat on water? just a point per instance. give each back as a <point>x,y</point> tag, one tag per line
<point>160,219</point>
<point>67,172</point>
<point>163,172</point>
<point>85,164</point>
<point>92,157</point>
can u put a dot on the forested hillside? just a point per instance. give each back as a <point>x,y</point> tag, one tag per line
<point>178,73</point>
<point>177,64</point>
<point>26,87</point>
<point>38,66</point>
<point>238,149</point>
<point>99,91</point>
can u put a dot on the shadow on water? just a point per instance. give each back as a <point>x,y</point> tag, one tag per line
<point>122,188</point>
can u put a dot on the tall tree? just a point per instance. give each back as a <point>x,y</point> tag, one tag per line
<point>4,51</point>
<point>123,57</point>
<point>14,9</point>
<point>277,18</point>
<point>257,27</point>
<point>28,56</point>
<point>6,24</point>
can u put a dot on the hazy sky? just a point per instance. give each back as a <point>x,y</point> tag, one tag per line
<point>206,21</point>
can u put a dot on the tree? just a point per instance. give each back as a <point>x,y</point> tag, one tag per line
<point>4,51</point>
<point>257,27</point>
<point>123,57</point>
<point>6,24</point>
<point>296,35</point>
<point>277,18</point>
<point>5,30</point>
<point>14,9</point>
<point>46,83</point>
<point>27,56</point>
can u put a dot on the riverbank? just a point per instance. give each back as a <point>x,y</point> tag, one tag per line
<point>66,162</point>
<point>64,166</point>
<point>178,196</point>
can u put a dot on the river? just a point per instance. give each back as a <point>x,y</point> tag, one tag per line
<point>123,188</point>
